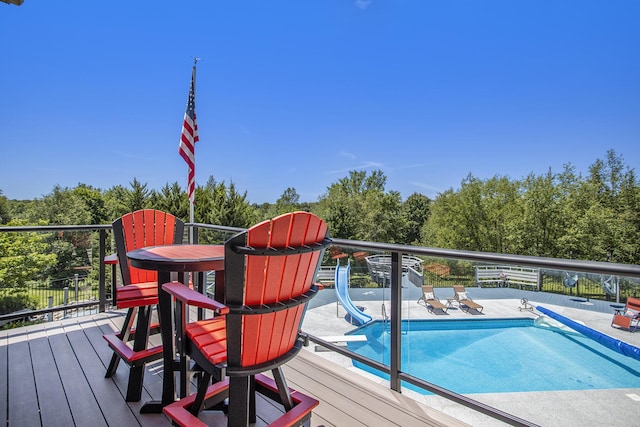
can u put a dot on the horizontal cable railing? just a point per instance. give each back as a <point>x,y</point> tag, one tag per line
<point>101,302</point>
<point>394,368</point>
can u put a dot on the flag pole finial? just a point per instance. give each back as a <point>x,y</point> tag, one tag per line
<point>195,60</point>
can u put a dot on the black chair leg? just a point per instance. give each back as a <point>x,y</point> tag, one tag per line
<point>124,335</point>
<point>283,389</point>
<point>203,384</point>
<point>238,402</point>
<point>141,339</point>
<point>252,400</point>
<point>134,387</point>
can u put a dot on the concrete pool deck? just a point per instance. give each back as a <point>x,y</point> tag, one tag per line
<point>550,408</point>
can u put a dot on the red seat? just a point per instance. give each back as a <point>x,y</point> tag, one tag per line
<point>139,293</point>
<point>268,282</point>
<point>629,317</point>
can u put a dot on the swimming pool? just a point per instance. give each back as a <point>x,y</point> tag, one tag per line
<point>499,355</point>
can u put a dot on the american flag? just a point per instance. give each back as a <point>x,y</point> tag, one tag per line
<point>189,137</point>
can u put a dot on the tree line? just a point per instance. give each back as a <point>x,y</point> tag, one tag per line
<point>594,216</point>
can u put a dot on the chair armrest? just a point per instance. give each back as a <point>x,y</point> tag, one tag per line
<point>190,297</point>
<point>111,259</point>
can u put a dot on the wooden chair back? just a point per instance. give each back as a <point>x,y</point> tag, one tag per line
<point>145,227</point>
<point>269,271</point>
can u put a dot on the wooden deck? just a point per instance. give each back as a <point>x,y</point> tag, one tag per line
<point>52,374</point>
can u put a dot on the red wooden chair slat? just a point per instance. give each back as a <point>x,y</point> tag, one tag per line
<point>265,293</point>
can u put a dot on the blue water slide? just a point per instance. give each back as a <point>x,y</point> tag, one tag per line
<point>358,317</point>
<point>607,341</point>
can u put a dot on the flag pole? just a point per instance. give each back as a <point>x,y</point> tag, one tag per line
<point>193,199</point>
<point>188,140</point>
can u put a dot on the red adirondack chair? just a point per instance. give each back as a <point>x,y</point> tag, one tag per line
<point>268,282</point>
<point>629,317</point>
<point>139,292</point>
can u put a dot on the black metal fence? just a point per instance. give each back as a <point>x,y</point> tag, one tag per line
<point>444,273</point>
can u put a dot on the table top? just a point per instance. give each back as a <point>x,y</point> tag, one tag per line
<point>178,258</point>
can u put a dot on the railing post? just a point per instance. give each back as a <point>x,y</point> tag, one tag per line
<point>65,299</point>
<point>396,320</point>
<point>75,282</point>
<point>102,280</point>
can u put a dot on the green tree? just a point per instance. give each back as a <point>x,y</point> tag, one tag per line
<point>94,202</point>
<point>357,207</point>
<point>23,257</point>
<point>173,200</point>
<point>289,201</point>
<point>5,217</point>
<point>415,213</point>
<point>478,217</point>
<point>541,223</point>
<point>115,200</point>
<point>627,248</point>
<point>138,196</point>
<point>604,225</point>
<point>382,217</point>
<point>220,204</point>
<point>64,207</point>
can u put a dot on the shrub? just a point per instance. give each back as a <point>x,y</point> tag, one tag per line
<point>11,303</point>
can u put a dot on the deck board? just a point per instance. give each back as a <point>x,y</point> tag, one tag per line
<point>51,393</point>
<point>52,374</point>
<point>152,384</point>
<point>377,405</point>
<point>86,410</point>
<point>111,404</point>
<point>21,388</point>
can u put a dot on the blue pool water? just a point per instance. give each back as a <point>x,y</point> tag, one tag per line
<point>499,355</point>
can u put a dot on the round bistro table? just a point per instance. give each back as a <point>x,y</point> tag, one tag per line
<point>165,260</point>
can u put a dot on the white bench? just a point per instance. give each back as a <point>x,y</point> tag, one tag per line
<point>507,276</point>
<point>326,274</point>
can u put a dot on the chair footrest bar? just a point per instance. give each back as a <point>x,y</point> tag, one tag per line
<point>179,413</point>
<point>300,413</point>
<point>132,358</point>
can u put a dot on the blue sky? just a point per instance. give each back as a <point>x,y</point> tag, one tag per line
<point>297,93</point>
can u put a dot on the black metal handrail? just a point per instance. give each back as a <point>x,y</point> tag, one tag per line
<point>102,294</point>
<point>394,370</point>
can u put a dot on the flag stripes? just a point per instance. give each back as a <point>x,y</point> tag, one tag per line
<point>189,137</point>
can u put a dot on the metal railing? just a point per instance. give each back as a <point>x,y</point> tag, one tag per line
<point>394,369</point>
<point>102,301</point>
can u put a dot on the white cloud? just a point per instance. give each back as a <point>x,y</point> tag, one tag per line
<point>419,165</point>
<point>363,4</point>
<point>347,154</point>
<point>365,165</point>
<point>425,186</point>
